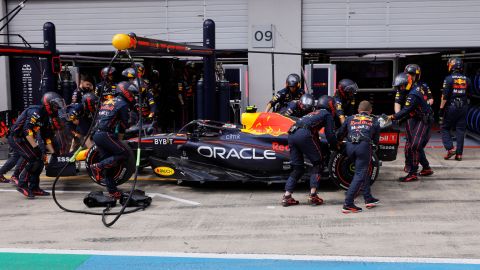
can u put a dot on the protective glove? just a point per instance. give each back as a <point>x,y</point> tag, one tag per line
<point>441,113</point>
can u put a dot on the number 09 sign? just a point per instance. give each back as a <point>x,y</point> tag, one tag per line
<point>262,36</point>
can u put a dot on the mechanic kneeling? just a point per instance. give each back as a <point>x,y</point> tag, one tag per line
<point>113,115</point>
<point>361,130</point>
<point>303,139</point>
<point>33,121</point>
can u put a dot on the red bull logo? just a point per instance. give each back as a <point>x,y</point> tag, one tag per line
<point>266,123</point>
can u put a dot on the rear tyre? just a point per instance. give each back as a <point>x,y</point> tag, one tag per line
<point>342,169</point>
<point>121,173</point>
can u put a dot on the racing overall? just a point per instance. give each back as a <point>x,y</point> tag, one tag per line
<point>113,115</point>
<point>455,89</point>
<point>418,128</point>
<point>76,111</point>
<point>304,139</point>
<point>281,99</point>
<point>361,130</point>
<point>104,94</point>
<point>400,98</point>
<point>32,121</point>
<point>343,107</point>
<point>78,95</point>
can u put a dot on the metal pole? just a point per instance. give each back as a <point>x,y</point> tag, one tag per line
<point>49,80</point>
<point>209,101</point>
<point>273,72</point>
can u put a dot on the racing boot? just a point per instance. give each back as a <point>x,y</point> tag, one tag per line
<point>313,199</point>
<point>3,179</point>
<point>14,180</point>
<point>371,203</point>
<point>426,171</point>
<point>97,172</point>
<point>289,200</point>
<point>351,209</point>
<point>40,192</point>
<point>450,153</point>
<point>26,192</point>
<point>409,178</point>
<point>458,157</point>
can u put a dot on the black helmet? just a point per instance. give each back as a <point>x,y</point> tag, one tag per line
<point>307,103</point>
<point>144,84</point>
<point>403,79</point>
<point>89,101</point>
<point>455,63</point>
<point>327,103</point>
<point>414,70</point>
<point>53,103</point>
<point>293,80</point>
<point>140,69</point>
<point>347,88</point>
<point>107,71</point>
<point>127,90</point>
<point>129,73</point>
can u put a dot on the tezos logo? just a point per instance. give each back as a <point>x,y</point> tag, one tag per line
<point>244,153</point>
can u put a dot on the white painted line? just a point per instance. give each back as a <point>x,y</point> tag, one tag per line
<point>150,194</point>
<point>245,256</point>
<point>384,165</point>
<point>173,198</point>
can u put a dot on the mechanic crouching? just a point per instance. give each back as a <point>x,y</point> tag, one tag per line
<point>304,139</point>
<point>361,130</point>
<point>299,108</point>
<point>113,116</point>
<point>35,120</point>
<point>80,118</point>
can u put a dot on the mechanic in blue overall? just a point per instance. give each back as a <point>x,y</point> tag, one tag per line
<point>146,104</point>
<point>80,118</point>
<point>35,120</point>
<point>400,97</point>
<point>106,88</point>
<point>345,99</point>
<point>86,86</point>
<point>292,91</point>
<point>454,107</point>
<point>112,117</point>
<point>362,131</point>
<point>299,108</point>
<point>420,119</point>
<point>304,139</point>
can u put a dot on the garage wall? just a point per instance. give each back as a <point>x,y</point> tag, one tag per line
<point>331,24</point>
<point>96,21</point>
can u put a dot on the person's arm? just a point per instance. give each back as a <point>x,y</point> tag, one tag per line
<point>329,133</point>
<point>275,99</point>
<point>292,106</point>
<point>399,101</point>
<point>409,106</point>
<point>339,110</point>
<point>376,132</point>
<point>342,131</point>
<point>430,99</point>
<point>123,122</point>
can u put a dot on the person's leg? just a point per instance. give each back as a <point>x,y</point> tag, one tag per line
<point>461,126</point>
<point>8,165</point>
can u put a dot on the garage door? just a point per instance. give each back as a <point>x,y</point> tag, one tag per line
<point>89,25</point>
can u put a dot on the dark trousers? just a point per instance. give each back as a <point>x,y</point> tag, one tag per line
<point>303,143</point>
<point>33,164</point>
<point>422,157</point>
<point>361,153</point>
<point>418,135</point>
<point>112,153</point>
<point>454,118</point>
<point>14,160</point>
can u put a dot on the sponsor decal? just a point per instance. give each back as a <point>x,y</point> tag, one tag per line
<point>280,147</point>
<point>389,138</point>
<point>164,171</point>
<point>244,153</point>
<point>232,137</point>
<point>163,141</point>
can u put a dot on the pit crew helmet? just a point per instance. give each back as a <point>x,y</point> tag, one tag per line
<point>327,103</point>
<point>129,73</point>
<point>53,103</point>
<point>347,88</point>
<point>307,103</point>
<point>128,91</point>
<point>455,64</point>
<point>89,101</point>
<point>140,69</point>
<point>403,79</point>
<point>293,80</point>
<point>107,72</point>
<point>414,70</point>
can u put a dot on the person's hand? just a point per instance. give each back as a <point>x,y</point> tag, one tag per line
<point>45,159</point>
<point>390,117</point>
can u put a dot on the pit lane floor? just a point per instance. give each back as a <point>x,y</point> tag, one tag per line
<point>436,217</point>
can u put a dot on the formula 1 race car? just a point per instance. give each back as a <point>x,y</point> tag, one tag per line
<point>205,150</point>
